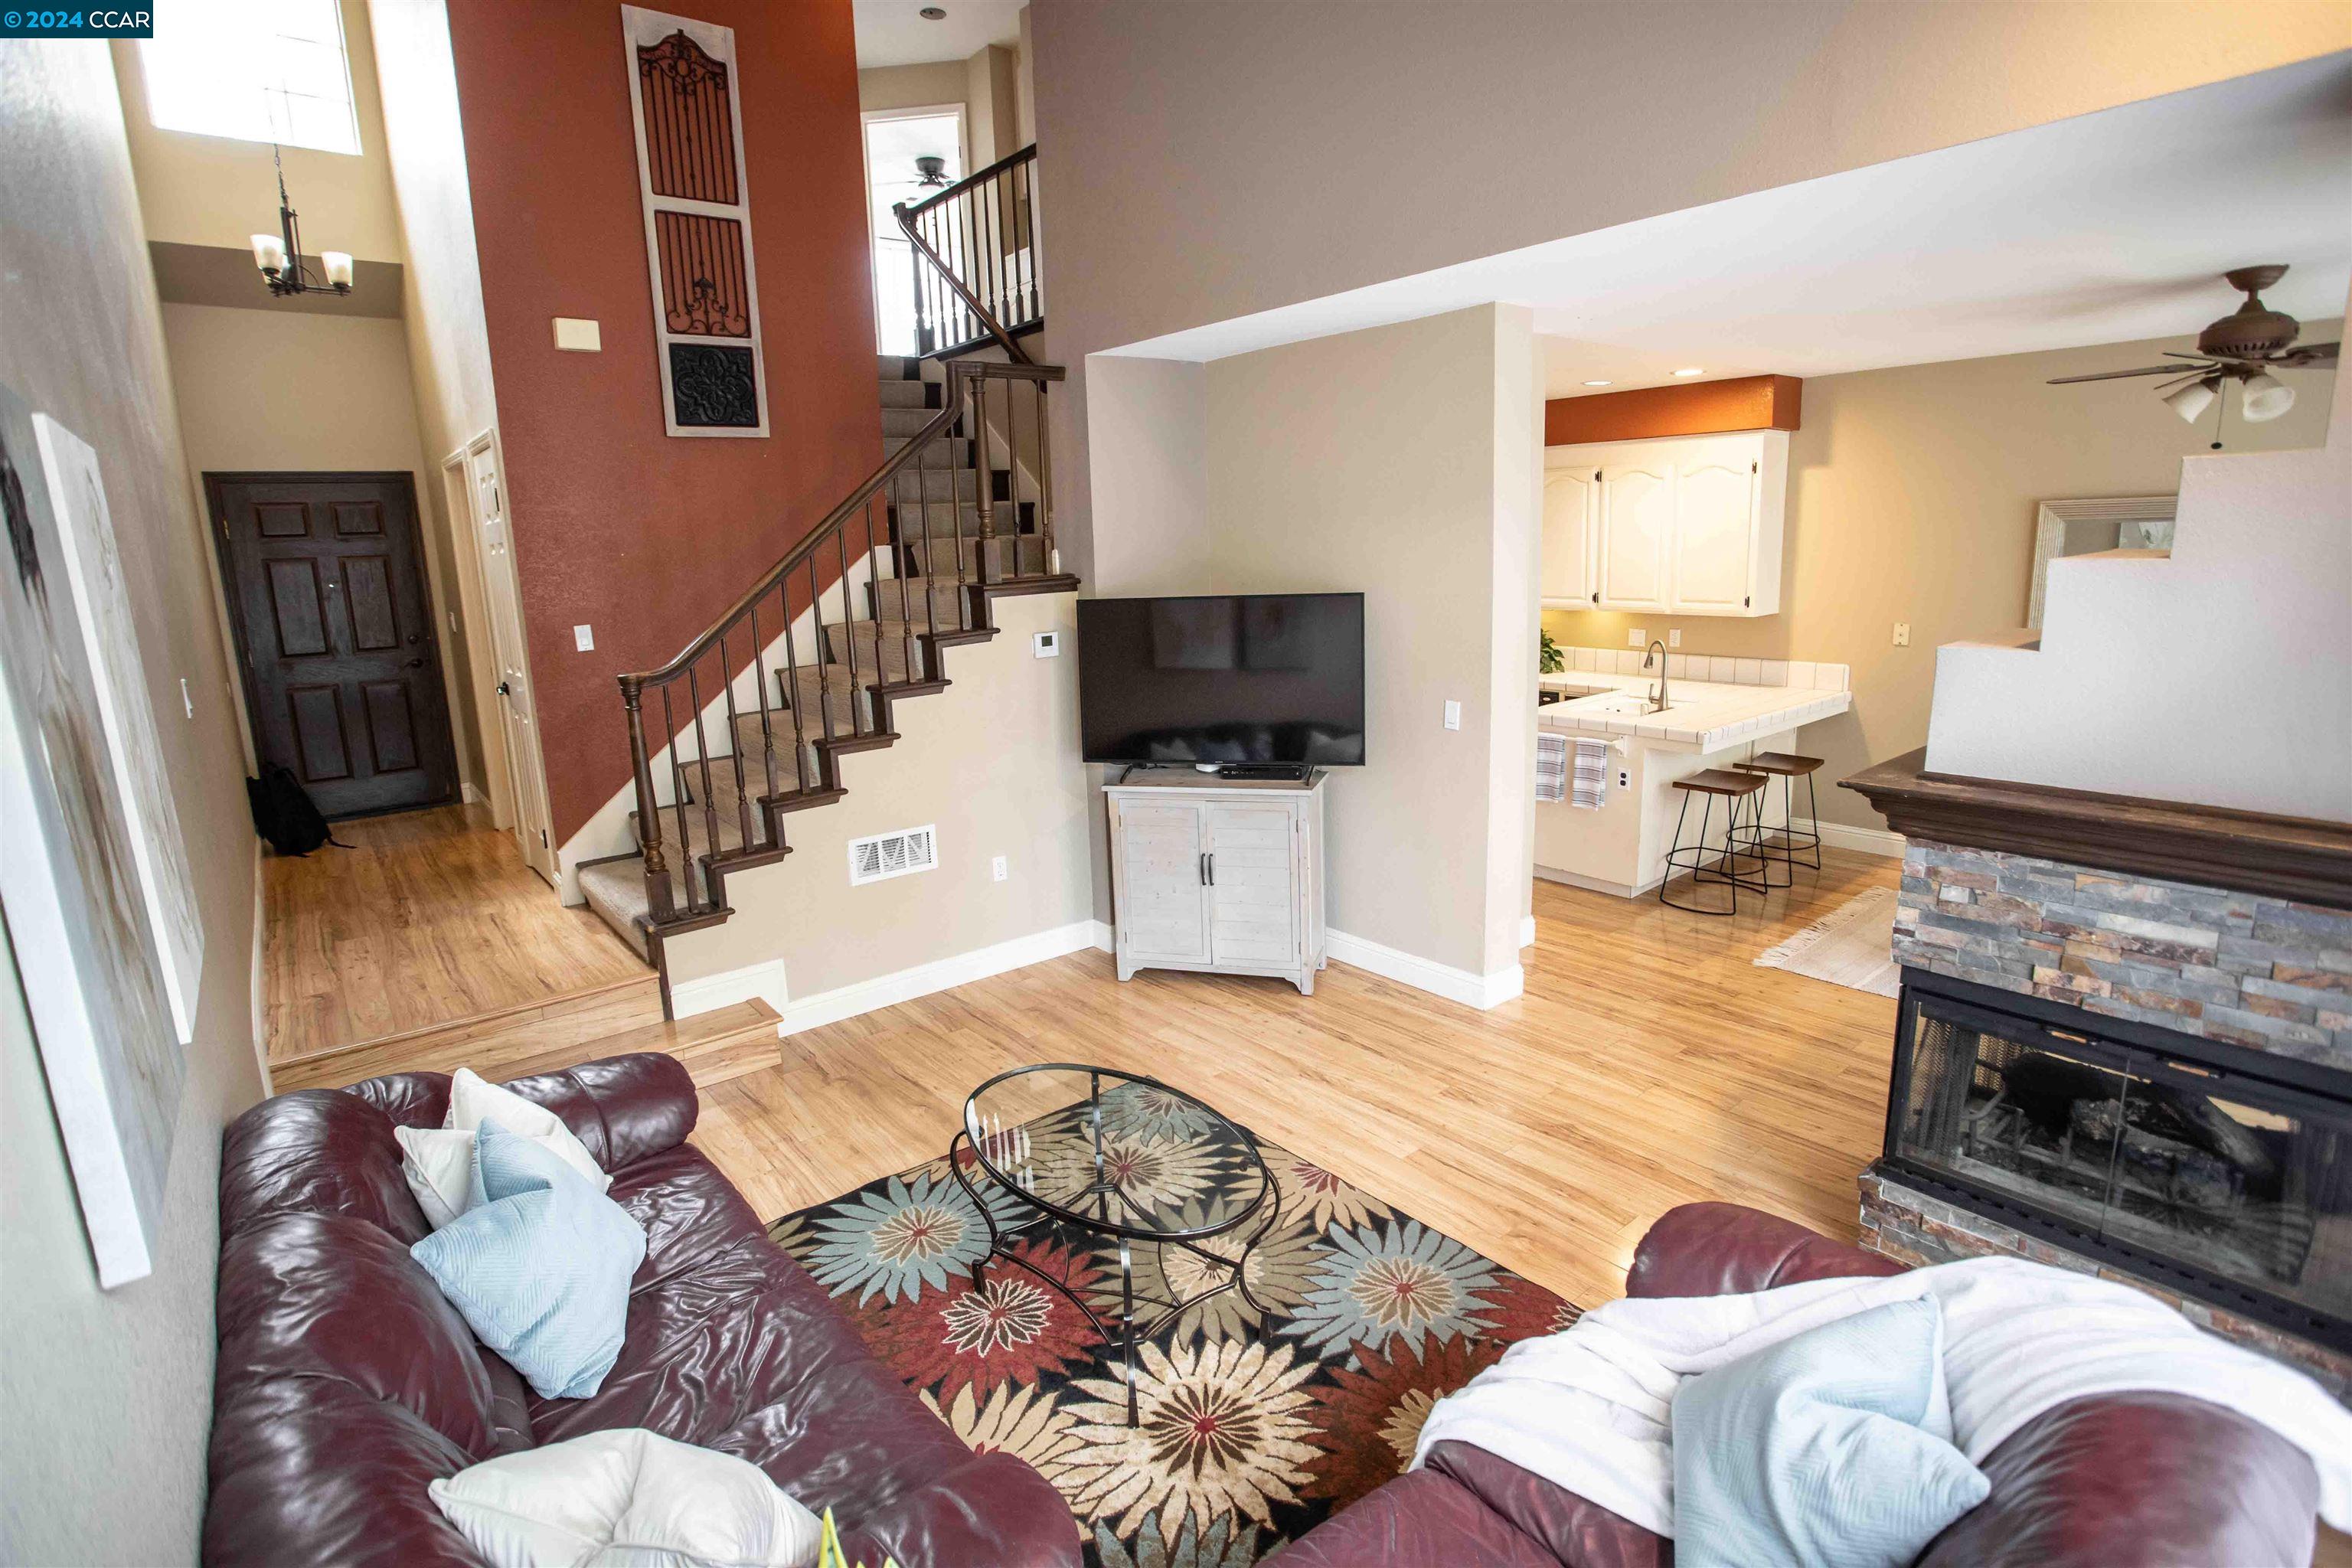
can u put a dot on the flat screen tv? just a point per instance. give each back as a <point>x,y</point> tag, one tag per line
<point>1239,679</point>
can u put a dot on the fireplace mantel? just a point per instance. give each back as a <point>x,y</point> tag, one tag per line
<point>2283,856</point>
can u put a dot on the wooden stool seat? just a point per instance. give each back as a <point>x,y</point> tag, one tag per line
<point>1785,763</point>
<point>1721,781</point>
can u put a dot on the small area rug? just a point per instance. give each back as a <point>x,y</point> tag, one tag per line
<point>1244,1445</point>
<point>1853,945</point>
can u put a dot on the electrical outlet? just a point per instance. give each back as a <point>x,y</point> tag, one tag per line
<point>1454,715</point>
<point>584,639</point>
<point>1902,634</point>
<point>1636,636</point>
<point>1675,637</point>
<point>996,869</point>
<point>1624,778</point>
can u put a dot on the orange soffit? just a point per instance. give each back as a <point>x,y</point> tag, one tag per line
<point>1695,408</point>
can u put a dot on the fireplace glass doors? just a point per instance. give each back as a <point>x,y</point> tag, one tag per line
<point>2232,1178</point>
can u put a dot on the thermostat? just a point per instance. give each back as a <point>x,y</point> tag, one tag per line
<point>1047,645</point>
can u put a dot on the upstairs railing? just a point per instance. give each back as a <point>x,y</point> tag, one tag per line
<point>979,237</point>
<point>820,674</point>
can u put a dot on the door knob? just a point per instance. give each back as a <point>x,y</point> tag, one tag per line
<point>415,664</point>
<point>504,689</point>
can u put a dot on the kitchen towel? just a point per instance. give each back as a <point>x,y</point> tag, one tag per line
<point>1591,788</point>
<point>1551,767</point>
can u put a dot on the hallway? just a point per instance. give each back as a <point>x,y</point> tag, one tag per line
<point>430,918</point>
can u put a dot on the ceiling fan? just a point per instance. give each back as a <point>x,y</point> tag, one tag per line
<point>2243,346</point>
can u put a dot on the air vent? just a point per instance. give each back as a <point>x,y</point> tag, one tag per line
<point>895,854</point>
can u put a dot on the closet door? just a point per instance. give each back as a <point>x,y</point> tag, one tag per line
<point>1714,527</point>
<point>1163,905</point>
<point>1253,905</point>
<point>1571,504</point>
<point>1637,522</point>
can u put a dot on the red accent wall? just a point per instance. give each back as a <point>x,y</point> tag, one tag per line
<point>644,536</point>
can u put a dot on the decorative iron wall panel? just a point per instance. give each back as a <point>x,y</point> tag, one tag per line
<point>687,107</point>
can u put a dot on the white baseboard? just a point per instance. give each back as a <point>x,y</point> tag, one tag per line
<point>468,792</point>
<point>1479,991</point>
<point>1868,840</point>
<point>1527,931</point>
<point>1106,938</point>
<point>708,993</point>
<point>940,974</point>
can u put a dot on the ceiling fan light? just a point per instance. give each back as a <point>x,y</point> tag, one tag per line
<point>2266,397</point>
<point>2191,402</point>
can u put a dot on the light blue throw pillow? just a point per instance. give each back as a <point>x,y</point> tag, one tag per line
<point>1831,1449</point>
<point>540,1270</point>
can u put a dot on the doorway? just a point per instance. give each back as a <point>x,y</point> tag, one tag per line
<point>476,485</point>
<point>895,137</point>
<point>333,622</point>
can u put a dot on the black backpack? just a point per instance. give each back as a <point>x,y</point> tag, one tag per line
<point>284,813</point>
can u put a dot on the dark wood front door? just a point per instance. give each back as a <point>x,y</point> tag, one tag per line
<point>326,585</point>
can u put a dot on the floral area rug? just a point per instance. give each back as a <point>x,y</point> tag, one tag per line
<point>1247,1439</point>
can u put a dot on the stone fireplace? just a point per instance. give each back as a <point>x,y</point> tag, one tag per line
<point>2125,1045</point>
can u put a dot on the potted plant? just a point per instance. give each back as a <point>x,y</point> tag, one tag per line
<point>1549,659</point>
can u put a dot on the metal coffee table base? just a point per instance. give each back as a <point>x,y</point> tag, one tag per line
<point>1102,1194</point>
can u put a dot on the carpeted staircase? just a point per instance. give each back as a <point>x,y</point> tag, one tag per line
<point>932,579</point>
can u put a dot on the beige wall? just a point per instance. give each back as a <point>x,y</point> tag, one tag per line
<point>106,1397</point>
<point>992,760</point>
<point>1201,160</point>
<point>987,87</point>
<point>1912,495</point>
<point>448,338</point>
<point>283,390</point>
<point>1395,462</point>
<point>211,190</point>
<point>925,86</point>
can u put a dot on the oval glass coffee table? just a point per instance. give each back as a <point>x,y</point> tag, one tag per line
<point>1122,1157</point>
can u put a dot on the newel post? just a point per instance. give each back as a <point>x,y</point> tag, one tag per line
<point>659,902</point>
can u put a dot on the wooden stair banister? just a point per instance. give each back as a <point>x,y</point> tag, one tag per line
<point>975,218</point>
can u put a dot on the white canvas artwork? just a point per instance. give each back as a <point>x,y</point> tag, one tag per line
<point>79,920</point>
<point>103,605</point>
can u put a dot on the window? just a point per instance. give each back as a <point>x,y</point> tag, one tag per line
<point>894,140</point>
<point>274,72</point>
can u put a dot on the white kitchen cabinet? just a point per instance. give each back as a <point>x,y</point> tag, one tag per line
<point>1572,509</point>
<point>1637,525</point>
<point>1220,876</point>
<point>1686,526</point>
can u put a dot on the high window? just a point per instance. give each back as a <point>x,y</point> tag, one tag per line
<point>275,72</point>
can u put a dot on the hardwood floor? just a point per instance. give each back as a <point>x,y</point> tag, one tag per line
<point>1649,1064</point>
<point>430,918</point>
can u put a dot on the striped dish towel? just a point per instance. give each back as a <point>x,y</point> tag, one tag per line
<point>1551,767</point>
<point>1591,788</point>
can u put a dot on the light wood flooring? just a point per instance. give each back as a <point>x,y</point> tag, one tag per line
<point>1649,1064</point>
<point>430,918</point>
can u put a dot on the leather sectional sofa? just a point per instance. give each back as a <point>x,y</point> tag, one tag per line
<point>2124,1481</point>
<point>346,1382</point>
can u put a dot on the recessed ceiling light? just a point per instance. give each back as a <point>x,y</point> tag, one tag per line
<point>932,14</point>
<point>1690,369</point>
<point>1596,383</point>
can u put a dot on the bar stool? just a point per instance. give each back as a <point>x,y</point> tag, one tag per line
<point>1787,766</point>
<point>1737,789</point>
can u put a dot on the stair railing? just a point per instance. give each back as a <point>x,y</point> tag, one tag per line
<point>979,237</point>
<point>848,688</point>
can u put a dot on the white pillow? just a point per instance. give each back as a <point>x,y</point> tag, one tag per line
<point>471,1097</point>
<point>626,1498</point>
<point>438,1161</point>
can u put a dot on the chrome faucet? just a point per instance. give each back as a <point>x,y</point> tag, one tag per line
<point>1657,651</point>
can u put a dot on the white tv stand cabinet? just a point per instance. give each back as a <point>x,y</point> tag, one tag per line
<point>1223,876</point>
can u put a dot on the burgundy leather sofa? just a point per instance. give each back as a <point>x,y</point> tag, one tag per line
<point>2112,1482</point>
<point>346,1382</point>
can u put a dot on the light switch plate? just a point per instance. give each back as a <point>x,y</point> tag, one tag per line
<point>1454,715</point>
<point>583,639</point>
<point>576,334</point>
<point>1047,645</point>
<point>1902,634</point>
